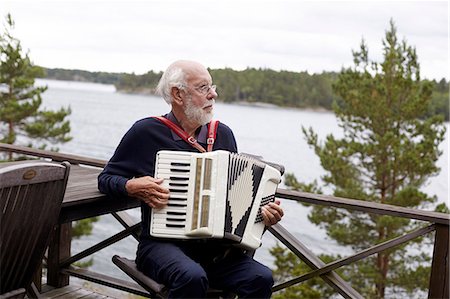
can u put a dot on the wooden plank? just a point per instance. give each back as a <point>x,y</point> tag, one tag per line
<point>439,278</point>
<point>109,281</point>
<point>101,245</point>
<point>80,293</point>
<point>84,200</point>
<point>129,267</point>
<point>95,296</point>
<point>306,255</point>
<point>81,172</point>
<point>73,159</point>
<point>95,207</point>
<point>356,257</point>
<point>80,193</point>
<point>58,250</point>
<point>125,219</point>
<point>58,292</point>
<point>84,180</point>
<point>37,278</point>
<point>364,206</point>
<point>73,292</point>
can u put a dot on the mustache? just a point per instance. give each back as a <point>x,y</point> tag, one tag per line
<point>210,103</point>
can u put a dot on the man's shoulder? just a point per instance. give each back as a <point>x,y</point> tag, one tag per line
<point>225,138</point>
<point>224,127</point>
<point>146,123</point>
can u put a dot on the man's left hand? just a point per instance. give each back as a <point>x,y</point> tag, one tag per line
<point>272,213</point>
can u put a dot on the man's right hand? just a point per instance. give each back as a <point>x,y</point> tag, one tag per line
<point>149,190</point>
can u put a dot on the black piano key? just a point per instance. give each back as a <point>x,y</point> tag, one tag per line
<point>175,178</point>
<point>176,219</point>
<point>177,198</point>
<point>170,204</point>
<point>179,170</point>
<point>180,164</point>
<point>175,225</point>
<point>178,184</point>
<point>176,213</point>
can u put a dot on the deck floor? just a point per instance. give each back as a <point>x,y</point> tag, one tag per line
<point>73,292</point>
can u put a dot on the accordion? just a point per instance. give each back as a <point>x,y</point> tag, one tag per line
<point>214,195</point>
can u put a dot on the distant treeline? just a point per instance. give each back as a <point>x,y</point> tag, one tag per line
<point>281,88</point>
<point>84,76</point>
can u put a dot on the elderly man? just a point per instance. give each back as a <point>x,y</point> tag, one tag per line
<point>187,268</point>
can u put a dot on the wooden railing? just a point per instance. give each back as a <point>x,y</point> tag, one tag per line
<point>438,222</point>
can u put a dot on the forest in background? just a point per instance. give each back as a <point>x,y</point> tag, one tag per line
<point>281,88</point>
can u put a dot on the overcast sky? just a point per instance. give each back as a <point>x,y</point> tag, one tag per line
<point>138,36</point>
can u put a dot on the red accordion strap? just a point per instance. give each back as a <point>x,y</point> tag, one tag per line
<point>212,131</point>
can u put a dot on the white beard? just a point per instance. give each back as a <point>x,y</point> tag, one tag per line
<point>197,114</point>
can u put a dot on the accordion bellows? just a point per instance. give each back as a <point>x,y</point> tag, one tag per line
<point>213,195</point>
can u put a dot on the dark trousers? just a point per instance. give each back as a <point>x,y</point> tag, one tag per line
<point>188,269</point>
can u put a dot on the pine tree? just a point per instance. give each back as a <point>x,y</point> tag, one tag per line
<point>20,100</point>
<point>388,151</point>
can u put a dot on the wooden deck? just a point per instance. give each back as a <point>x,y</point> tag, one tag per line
<point>83,200</point>
<point>74,292</point>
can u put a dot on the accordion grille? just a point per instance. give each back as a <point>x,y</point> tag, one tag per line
<point>244,177</point>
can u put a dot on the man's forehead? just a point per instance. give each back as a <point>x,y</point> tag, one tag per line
<point>197,75</point>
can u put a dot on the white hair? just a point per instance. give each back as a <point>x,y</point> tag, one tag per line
<point>174,76</point>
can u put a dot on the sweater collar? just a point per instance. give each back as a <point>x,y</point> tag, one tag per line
<point>200,134</point>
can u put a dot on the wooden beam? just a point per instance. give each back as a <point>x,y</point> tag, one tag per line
<point>125,219</point>
<point>331,278</point>
<point>439,278</point>
<point>358,256</point>
<point>99,246</point>
<point>58,250</point>
<point>108,281</point>
<point>55,156</point>
<point>364,206</point>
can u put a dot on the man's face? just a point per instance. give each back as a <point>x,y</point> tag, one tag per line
<point>200,97</point>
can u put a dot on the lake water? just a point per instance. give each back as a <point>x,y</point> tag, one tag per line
<point>100,117</point>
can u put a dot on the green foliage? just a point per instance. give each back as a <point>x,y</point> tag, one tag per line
<point>291,181</point>
<point>80,75</point>
<point>440,101</point>
<point>442,208</point>
<point>389,150</point>
<point>83,227</point>
<point>145,83</point>
<point>20,100</point>
<point>85,264</point>
<point>279,88</point>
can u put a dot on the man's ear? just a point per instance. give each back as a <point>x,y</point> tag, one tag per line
<point>176,95</point>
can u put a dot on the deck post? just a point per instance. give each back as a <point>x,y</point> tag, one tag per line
<point>37,278</point>
<point>439,278</point>
<point>58,250</point>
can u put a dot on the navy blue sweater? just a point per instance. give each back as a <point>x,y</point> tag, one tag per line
<point>136,153</point>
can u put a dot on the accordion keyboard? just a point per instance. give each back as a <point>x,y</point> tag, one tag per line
<point>175,172</point>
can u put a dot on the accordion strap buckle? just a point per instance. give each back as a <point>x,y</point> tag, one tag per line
<point>191,140</point>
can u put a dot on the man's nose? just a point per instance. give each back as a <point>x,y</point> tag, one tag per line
<point>212,94</point>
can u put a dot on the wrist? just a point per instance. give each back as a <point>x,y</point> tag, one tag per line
<point>127,186</point>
